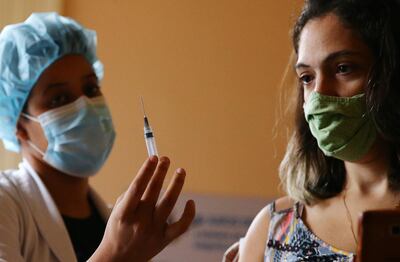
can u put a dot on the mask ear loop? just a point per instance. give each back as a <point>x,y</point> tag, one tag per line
<point>37,149</point>
<point>30,117</point>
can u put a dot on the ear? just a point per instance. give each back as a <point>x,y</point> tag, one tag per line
<point>21,132</point>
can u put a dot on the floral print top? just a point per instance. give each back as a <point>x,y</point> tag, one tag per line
<point>289,239</point>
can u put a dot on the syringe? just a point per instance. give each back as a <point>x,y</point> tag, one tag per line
<point>148,135</point>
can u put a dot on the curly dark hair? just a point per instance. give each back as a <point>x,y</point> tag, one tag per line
<point>377,23</point>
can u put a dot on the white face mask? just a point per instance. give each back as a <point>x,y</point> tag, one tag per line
<point>80,136</point>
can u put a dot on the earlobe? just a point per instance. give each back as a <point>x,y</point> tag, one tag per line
<point>21,132</point>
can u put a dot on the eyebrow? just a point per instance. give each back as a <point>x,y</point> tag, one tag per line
<point>330,57</point>
<point>58,84</point>
<point>61,84</point>
<point>90,75</point>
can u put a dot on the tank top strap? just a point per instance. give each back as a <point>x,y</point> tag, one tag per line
<point>298,209</point>
<point>271,208</point>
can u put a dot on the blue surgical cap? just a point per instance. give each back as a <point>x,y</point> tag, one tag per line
<point>26,50</point>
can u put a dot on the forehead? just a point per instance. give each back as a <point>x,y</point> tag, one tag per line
<point>326,35</point>
<point>66,68</point>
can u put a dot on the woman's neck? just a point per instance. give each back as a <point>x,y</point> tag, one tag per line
<point>68,192</point>
<point>369,175</point>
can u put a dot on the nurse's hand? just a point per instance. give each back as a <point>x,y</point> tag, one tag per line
<point>137,229</point>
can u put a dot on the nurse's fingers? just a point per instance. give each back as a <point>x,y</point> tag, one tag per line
<point>138,186</point>
<point>168,201</point>
<point>178,228</point>
<point>119,199</point>
<point>152,192</point>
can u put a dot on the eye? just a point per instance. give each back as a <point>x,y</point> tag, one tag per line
<point>306,79</point>
<point>59,100</point>
<point>344,69</point>
<point>92,90</point>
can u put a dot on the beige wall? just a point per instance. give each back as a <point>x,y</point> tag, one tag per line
<point>209,72</point>
<point>16,11</point>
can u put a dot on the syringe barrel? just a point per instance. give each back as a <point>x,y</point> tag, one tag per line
<point>151,145</point>
<point>147,130</point>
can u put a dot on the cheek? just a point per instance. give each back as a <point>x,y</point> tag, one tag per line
<point>353,87</point>
<point>36,135</point>
<point>306,94</point>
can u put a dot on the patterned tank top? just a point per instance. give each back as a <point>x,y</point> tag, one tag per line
<point>289,239</point>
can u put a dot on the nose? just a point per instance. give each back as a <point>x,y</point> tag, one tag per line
<point>324,85</point>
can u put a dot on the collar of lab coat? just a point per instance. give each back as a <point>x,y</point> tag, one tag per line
<point>47,216</point>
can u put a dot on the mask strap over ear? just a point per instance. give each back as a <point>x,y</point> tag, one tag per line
<point>30,117</point>
<point>29,142</point>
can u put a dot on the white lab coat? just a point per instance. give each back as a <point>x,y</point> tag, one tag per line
<point>31,227</point>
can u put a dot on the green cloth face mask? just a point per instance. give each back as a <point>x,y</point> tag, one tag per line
<point>341,125</point>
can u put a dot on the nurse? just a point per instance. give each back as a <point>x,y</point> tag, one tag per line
<point>53,112</point>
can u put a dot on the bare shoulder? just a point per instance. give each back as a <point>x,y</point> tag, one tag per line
<point>253,246</point>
